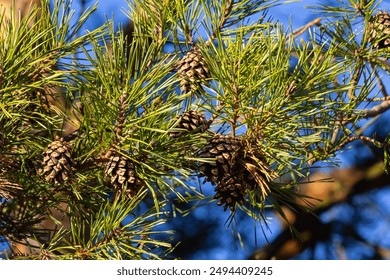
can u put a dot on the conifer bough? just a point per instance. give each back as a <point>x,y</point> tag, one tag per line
<point>284,116</point>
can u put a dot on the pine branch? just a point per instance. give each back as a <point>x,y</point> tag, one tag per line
<point>368,113</point>
<point>134,120</point>
<point>298,32</point>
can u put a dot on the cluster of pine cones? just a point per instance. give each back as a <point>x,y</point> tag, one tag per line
<point>233,167</point>
<point>237,168</point>
<point>57,167</point>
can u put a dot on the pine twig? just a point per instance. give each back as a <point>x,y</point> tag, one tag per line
<point>215,115</point>
<point>376,110</point>
<point>302,29</point>
<point>364,114</point>
<point>377,99</point>
<point>224,18</point>
<point>121,114</point>
<point>235,108</point>
<point>379,80</point>
<point>364,139</point>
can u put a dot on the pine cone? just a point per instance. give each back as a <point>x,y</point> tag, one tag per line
<point>57,162</point>
<point>379,30</point>
<point>237,168</point>
<point>225,150</point>
<point>229,192</point>
<point>122,172</point>
<point>192,70</point>
<point>190,120</point>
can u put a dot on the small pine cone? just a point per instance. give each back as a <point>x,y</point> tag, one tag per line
<point>230,191</point>
<point>122,172</point>
<point>57,162</point>
<point>380,28</point>
<point>238,168</point>
<point>225,149</point>
<point>192,69</point>
<point>191,120</point>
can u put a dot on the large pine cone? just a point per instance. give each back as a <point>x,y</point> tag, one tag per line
<point>192,70</point>
<point>380,29</point>
<point>190,121</point>
<point>224,149</point>
<point>122,172</point>
<point>57,162</point>
<point>236,169</point>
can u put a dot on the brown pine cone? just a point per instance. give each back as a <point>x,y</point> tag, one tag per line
<point>190,121</point>
<point>57,162</point>
<point>192,70</point>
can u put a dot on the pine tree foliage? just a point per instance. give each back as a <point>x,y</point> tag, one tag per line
<point>201,90</point>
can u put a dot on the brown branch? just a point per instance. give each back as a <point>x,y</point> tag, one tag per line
<point>215,115</point>
<point>381,61</point>
<point>226,13</point>
<point>336,131</point>
<point>346,183</point>
<point>377,99</point>
<point>364,139</point>
<point>376,110</point>
<point>369,113</point>
<point>365,114</point>
<point>354,81</point>
<point>121,115</point>
<point>302,29</point>
<point>235,109</point>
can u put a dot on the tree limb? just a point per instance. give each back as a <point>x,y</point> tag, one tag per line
<point>310,229</point>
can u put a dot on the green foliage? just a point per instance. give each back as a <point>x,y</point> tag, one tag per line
<point>291,103</point>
